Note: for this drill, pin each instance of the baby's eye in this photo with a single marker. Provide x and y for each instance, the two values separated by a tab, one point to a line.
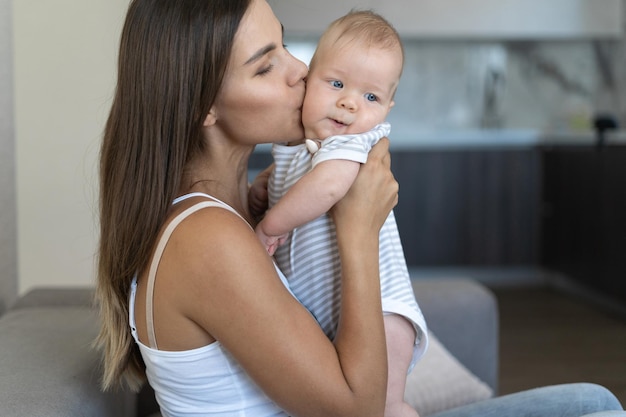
336	84
370	97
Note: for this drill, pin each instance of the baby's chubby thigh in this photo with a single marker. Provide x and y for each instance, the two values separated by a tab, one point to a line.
400	336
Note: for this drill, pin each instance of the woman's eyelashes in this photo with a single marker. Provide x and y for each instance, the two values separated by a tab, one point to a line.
265	70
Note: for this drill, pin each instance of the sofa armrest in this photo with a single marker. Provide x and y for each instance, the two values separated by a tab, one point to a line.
463	314
48	366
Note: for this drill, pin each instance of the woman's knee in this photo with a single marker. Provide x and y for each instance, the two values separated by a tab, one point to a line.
598	397
581	398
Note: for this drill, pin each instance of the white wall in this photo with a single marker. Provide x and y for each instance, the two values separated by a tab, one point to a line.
499	19
64	66
8	234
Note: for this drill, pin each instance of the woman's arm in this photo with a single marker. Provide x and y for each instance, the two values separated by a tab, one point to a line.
358	218
237	297
310	197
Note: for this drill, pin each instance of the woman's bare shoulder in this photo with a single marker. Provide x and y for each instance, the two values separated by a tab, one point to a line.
218	232
212	261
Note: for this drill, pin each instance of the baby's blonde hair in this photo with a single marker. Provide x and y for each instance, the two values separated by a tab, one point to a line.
363	26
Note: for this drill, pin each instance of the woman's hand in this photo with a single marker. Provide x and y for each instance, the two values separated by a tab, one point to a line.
257	194
373	195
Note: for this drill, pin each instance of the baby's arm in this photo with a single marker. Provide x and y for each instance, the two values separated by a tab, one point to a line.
310	197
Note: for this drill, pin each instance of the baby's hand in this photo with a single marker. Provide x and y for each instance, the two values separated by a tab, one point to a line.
271	243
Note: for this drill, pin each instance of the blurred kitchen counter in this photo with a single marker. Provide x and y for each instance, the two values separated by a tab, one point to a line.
469	139
499	138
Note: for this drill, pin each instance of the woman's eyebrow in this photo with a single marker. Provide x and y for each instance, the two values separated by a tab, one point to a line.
261	52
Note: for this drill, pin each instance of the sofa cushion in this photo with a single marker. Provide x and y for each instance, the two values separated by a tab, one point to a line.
439	382
53	369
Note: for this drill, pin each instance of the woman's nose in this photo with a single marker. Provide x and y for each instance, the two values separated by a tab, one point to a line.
299	71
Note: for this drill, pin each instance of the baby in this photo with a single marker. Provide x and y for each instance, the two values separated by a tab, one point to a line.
353	77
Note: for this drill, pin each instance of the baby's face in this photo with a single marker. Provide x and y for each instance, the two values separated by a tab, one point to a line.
350	90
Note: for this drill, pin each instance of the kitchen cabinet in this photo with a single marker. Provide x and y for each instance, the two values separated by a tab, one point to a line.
584	216
468	207
501	19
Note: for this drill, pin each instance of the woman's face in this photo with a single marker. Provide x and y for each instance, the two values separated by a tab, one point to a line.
263	89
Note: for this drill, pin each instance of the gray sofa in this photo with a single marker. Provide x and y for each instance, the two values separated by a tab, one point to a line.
48	368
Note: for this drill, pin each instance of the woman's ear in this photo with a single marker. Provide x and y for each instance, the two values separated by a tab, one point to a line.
210	118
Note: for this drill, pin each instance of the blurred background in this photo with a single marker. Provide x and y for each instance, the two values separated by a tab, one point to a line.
506	136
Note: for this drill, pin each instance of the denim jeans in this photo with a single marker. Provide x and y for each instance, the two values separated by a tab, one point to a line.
567	400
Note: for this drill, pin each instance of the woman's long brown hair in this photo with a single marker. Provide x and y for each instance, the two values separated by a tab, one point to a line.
172	59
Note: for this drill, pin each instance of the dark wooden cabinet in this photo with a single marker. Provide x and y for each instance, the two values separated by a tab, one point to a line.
468	207
584	216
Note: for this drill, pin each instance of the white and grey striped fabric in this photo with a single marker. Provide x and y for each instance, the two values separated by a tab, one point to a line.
309	258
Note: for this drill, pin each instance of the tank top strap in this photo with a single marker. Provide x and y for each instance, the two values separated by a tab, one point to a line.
156	259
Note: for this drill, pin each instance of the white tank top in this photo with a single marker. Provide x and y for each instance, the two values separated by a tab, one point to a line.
206	381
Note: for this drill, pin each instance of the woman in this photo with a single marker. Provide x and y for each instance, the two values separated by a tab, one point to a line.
200	83
213	326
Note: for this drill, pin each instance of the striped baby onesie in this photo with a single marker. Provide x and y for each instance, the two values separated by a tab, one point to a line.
309	257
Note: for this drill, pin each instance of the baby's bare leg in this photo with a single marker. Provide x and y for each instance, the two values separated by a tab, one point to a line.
400	336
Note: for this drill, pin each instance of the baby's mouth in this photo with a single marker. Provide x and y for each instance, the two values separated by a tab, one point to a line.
338	122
